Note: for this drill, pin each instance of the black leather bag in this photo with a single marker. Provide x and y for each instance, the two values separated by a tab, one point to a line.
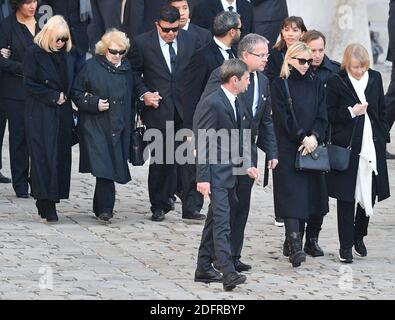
318	160
137	144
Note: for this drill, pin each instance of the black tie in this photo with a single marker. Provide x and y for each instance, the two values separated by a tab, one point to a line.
230	8
250	92
230	53
238	117
172	56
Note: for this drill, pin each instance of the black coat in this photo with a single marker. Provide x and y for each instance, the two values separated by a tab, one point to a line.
105	136
140	16
203	36
148	60
276	59
341	185
298	194
269	10
11	35
391	32
48	125
326	69
216	112
204	13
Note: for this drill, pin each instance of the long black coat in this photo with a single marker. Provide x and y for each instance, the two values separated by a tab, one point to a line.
298	194
48	125
341	185
105	136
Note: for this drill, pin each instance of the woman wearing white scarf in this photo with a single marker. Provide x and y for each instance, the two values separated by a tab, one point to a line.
355	98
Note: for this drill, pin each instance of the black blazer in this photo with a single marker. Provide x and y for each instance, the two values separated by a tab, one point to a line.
216	112
203	36
148	61
12	69
140	16
340	95
204	13
270	10
391	32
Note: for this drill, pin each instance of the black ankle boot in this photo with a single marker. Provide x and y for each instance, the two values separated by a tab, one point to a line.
286	248
296	254
312	248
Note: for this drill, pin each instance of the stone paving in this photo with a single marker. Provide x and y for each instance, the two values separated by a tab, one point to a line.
135	258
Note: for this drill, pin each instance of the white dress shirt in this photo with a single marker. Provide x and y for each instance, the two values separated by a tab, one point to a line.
256	94
165	50
186	25
232	98
226	5
222	48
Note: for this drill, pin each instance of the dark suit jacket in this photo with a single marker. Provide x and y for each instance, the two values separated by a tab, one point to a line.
203	36
261	125
215	112
148	61
12	69
204	13
391	32
269	10
140	16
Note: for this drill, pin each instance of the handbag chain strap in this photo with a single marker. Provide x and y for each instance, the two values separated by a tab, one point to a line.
356	122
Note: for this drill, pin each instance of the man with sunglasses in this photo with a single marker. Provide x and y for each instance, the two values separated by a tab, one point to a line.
205	12
323	68
162	57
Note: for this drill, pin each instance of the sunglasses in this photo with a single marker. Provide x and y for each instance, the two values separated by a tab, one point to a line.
63	39
241	28
115	52
167	30
303	61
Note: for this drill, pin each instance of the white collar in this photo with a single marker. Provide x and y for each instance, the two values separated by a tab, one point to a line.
226	5
221	44
186	27
163	42
229	95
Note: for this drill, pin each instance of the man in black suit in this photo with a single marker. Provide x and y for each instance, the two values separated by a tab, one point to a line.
390	95
106	14
203	36
5	10
140	16
204	13
268	16
218	159
162	57
256	106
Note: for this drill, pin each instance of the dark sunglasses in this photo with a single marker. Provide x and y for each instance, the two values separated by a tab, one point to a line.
63	39
167	30
303	61
115	52
241	28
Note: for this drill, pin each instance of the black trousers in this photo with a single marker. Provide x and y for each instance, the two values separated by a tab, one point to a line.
3	121
19	155
313	226
390	99
215	240
104	198
239	214
294	225
351	225
192	200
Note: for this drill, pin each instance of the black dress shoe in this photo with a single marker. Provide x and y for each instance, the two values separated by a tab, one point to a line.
208	276
389	156
172	201
105	216
40	209
359	248
345	255
194	216
231	280
240	266
4	179
158	215
312	248
52	218
22	195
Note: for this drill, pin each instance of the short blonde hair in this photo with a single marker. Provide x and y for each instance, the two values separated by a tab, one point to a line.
292	52
55	28
355	51
114	35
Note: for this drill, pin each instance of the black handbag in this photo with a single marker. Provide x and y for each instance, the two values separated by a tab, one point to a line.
339	157
318	160
138	155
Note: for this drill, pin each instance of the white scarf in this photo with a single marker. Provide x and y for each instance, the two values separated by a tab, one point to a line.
367	157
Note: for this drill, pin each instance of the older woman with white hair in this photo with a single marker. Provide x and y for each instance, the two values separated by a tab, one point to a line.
48	77
356	111
103	92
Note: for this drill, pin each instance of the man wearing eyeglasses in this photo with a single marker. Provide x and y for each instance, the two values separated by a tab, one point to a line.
256	106
162	58
205	12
